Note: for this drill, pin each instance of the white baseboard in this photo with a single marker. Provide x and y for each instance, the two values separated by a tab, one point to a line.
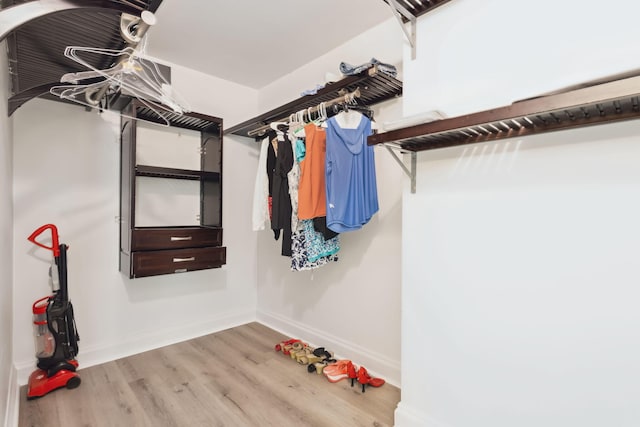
24	369
377	364
148	340
406	416
13	400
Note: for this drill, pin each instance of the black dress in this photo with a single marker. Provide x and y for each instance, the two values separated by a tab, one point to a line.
281	200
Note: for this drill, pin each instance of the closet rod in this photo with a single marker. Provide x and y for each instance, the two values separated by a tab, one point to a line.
343	99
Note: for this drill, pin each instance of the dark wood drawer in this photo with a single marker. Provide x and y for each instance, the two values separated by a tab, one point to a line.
151	263
148	239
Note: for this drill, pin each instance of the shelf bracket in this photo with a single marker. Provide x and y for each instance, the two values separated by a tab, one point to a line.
411	173
400	11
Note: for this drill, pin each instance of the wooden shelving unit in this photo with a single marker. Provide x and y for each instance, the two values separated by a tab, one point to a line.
375	87
420	7
597	104
602	103
171	248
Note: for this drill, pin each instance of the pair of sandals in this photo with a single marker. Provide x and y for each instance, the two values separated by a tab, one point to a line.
305	355
343	369
320	360
287	346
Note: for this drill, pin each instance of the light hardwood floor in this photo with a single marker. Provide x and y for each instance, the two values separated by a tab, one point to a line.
230	378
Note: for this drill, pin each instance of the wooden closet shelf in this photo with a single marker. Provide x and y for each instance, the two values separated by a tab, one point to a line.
160	172
420	7
601	103
193	121
375	87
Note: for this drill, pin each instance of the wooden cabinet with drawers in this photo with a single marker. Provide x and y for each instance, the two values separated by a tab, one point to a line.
170	197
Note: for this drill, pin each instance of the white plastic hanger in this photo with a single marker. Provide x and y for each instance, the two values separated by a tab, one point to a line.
85	95
279	133
132	74
299	132
323	115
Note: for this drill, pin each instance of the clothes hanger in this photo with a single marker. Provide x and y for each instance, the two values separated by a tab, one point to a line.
157	96
323	113
363	109
351	115
131	74
80	94
366	111
278	127
298	131
320	117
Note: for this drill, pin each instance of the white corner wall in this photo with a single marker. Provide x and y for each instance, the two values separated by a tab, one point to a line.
66	171
519	256
351	307
8	384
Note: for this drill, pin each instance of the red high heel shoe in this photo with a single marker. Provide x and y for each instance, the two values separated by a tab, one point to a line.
336	371
351	372
364	378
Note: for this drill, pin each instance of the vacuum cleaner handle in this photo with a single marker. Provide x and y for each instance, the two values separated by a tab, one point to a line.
55	247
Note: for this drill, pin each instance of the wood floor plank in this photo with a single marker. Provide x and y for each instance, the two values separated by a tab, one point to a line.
36	413
231	378
233	381
106	400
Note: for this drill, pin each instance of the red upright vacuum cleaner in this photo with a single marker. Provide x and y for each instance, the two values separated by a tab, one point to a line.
55	333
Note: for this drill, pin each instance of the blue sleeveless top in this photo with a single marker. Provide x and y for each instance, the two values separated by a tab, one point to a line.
352	195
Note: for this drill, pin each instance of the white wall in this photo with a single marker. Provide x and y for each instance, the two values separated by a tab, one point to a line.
351	307
7	380
519	256
214	96
383	42
66	171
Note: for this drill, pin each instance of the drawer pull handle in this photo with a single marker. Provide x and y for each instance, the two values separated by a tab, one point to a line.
181	270
192	258
179	239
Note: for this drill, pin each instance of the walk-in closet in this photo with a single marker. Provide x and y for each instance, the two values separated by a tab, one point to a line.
410	213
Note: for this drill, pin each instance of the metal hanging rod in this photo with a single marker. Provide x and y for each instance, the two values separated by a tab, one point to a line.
343	99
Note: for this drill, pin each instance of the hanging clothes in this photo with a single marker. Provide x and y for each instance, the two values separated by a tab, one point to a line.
320	225
352	195
271	168
293	178
310	250
260	218
312	199
281	218
317	246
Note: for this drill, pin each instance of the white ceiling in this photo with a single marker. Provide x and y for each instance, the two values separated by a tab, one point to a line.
254	42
